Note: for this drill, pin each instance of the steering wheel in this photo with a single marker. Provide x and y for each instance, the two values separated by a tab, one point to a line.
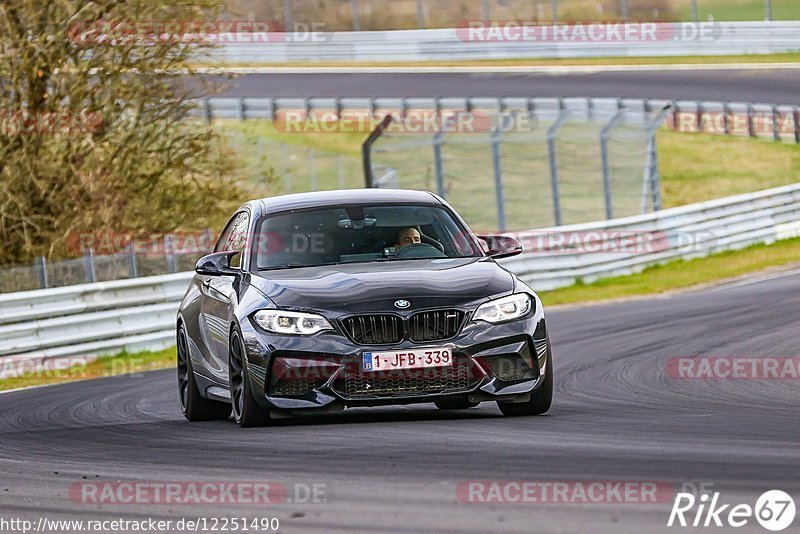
419	250
431	241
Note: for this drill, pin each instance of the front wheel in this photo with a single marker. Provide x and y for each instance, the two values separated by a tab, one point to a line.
246	410
193	406
541	399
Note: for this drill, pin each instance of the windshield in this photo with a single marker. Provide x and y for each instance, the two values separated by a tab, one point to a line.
358	234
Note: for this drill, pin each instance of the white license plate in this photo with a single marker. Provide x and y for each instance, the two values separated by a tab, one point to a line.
408	359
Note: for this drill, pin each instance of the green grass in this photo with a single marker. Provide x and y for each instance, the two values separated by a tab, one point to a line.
697	167
739	9
348	144
680	274
120	364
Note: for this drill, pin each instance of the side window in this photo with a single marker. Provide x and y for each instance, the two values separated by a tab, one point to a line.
234	237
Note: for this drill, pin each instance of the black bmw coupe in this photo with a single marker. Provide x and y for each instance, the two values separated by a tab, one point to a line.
316	302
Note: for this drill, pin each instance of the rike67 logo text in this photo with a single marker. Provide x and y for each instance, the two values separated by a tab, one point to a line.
774	510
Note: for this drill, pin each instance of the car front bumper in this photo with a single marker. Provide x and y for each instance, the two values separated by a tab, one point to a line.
492	362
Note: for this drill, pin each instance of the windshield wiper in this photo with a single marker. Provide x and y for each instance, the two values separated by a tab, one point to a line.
299	266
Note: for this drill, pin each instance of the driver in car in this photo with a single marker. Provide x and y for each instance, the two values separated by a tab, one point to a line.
407	236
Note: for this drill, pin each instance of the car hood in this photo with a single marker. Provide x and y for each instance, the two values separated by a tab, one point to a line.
375	287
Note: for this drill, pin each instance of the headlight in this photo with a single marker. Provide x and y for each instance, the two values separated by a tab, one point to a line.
504	309
288	322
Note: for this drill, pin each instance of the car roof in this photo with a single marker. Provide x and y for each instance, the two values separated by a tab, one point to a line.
345	196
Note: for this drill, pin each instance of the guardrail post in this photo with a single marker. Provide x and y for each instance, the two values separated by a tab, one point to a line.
355	13
676	117
776	134
551	152
797	125
41	270
420	15
485	10
699	114
169	253
695	12
89	266
287	15
207	115
339	107
554	10
241	109
133	267
767	9
726	122
604	134
623	9
751	131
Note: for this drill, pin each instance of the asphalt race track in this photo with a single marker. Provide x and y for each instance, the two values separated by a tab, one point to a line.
767	86
617	416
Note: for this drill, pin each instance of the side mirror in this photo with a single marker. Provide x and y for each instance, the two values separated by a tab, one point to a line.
501	246
217	264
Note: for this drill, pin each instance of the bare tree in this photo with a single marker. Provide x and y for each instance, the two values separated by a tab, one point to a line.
95	126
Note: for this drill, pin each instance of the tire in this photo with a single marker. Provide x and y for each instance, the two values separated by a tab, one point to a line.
246	410
455	404
541	399
194	406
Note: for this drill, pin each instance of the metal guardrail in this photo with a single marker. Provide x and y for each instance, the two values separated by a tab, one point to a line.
452	44
89	319
776	121
588	252
140	314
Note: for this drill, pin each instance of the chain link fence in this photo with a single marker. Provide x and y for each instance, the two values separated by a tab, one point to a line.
91	268
546	163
